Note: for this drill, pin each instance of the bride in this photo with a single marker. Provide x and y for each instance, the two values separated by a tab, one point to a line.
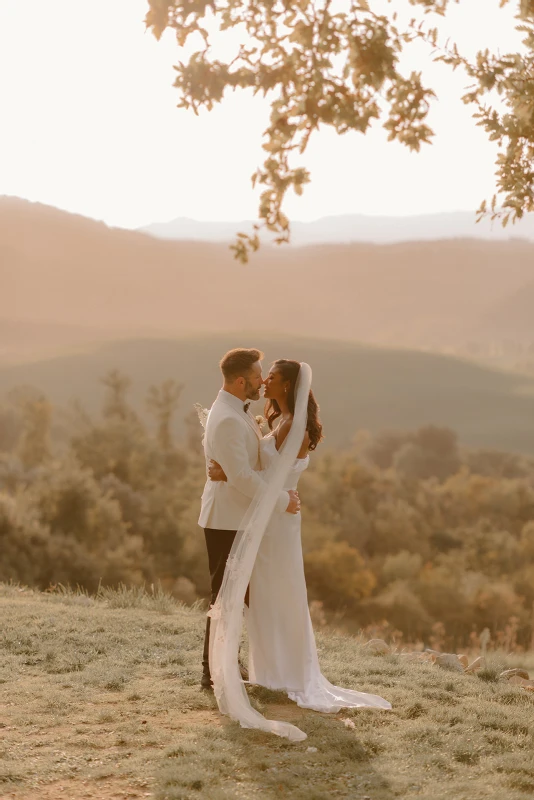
267	553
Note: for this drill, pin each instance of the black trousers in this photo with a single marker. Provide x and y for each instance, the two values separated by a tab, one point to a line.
218	543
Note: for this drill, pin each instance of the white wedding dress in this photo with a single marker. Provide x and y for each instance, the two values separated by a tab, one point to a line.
267	553
282	651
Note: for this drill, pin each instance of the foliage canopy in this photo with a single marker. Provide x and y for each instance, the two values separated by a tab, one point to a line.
337	64
406	534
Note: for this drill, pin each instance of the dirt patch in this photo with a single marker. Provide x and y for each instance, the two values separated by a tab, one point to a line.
201	717
108	789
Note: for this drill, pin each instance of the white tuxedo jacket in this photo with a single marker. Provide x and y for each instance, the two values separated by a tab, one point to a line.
232	438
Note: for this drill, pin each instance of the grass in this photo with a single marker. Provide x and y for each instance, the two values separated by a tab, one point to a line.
99	699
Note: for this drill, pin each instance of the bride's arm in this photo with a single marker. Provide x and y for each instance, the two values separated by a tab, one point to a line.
281	434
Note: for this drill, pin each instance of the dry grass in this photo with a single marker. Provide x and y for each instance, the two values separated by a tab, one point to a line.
99	699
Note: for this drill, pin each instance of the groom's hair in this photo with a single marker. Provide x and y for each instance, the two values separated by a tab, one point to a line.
238	363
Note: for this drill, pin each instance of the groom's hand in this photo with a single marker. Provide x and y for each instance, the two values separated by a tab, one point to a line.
216	472
294	502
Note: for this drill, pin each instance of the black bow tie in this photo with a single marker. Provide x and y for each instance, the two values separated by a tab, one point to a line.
245	407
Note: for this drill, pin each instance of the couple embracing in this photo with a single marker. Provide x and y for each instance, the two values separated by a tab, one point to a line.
251	518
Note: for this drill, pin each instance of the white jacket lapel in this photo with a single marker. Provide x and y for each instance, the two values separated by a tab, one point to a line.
247	417
253	424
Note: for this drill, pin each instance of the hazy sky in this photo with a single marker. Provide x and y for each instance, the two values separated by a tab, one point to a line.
89	124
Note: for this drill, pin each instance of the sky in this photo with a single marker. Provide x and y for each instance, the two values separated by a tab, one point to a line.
89	124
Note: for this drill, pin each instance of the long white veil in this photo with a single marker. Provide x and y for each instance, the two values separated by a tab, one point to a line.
227	612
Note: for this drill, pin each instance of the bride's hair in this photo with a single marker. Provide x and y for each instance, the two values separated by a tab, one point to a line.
290	372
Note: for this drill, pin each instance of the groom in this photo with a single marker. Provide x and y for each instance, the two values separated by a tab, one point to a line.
232	438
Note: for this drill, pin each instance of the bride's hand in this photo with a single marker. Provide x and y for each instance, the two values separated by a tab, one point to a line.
216	472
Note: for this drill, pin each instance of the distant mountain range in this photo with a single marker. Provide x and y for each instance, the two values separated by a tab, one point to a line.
66	281
355	228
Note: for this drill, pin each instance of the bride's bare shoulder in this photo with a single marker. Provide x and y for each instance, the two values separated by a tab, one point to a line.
282	432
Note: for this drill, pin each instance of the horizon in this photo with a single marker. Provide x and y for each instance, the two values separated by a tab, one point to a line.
447	212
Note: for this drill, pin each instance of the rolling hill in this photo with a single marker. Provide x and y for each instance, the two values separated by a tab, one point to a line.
59	269
513	317
357	386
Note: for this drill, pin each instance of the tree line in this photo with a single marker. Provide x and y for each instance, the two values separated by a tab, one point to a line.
404	532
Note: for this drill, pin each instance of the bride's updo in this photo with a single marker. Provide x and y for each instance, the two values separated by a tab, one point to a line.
289	371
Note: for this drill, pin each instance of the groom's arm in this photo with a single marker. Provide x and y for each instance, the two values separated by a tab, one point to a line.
232	455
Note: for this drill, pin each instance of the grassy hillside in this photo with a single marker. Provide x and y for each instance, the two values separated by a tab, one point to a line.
357	386
100	699
61	268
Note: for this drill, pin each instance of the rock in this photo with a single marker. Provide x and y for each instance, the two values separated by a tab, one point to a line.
421	657
514	673
349	723
414	656
311	750
516	680
475	665
427	657
449	661
377	646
